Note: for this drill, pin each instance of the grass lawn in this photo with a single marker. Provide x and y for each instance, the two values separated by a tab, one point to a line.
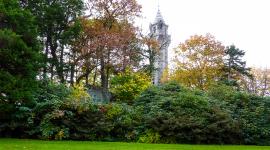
16	144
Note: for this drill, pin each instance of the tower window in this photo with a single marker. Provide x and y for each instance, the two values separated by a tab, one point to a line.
160	26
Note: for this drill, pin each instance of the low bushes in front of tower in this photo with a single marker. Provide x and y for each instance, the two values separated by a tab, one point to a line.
168	113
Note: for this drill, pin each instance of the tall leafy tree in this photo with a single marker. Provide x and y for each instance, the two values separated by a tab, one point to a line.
199	61
19	63
108	43
57	27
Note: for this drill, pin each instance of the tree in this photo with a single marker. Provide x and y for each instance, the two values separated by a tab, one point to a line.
259	84
57	27
234	66
128	85
112	10
199	61
20	60
150	51
109	42
104	52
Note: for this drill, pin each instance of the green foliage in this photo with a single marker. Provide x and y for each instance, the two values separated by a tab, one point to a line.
180	115
50	98
234	67
58	27
252	112
20	21
69	113
164	114
125	120
168	113
19	64
57	105
79	99
17	77
51	131
128	85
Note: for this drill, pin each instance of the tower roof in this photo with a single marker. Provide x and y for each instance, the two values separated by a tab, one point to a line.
159	17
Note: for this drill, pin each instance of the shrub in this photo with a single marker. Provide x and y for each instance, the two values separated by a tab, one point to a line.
69	113
125	119
128	85
252	112
181	115
169	113
57	105
79	99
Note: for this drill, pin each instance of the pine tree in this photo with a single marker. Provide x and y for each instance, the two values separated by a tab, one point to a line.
19	63
234	66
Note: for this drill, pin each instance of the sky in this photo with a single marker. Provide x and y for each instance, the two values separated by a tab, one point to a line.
244	23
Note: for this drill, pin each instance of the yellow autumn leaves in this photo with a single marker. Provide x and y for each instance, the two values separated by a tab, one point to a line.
198	61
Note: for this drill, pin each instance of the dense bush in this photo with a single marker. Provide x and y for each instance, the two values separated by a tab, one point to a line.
251	111
168	113
69	113
174	114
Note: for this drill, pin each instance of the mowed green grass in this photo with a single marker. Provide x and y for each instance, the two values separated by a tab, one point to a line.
16	144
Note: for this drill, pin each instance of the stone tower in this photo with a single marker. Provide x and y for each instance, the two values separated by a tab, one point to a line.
159	31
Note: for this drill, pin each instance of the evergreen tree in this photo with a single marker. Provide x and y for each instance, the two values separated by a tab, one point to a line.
234	66
19	64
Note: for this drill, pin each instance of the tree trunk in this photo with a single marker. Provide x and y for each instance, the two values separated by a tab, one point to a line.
229	69
72	71
56	63
103	74
95	77
61	66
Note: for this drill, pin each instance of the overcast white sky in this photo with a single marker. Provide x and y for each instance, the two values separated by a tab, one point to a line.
245	23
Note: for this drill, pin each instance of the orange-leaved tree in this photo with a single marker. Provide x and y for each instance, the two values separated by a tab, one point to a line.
108	43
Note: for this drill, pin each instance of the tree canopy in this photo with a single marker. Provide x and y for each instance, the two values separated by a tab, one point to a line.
20	60
199	61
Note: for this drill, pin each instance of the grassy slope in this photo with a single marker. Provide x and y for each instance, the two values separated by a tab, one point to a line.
14	144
